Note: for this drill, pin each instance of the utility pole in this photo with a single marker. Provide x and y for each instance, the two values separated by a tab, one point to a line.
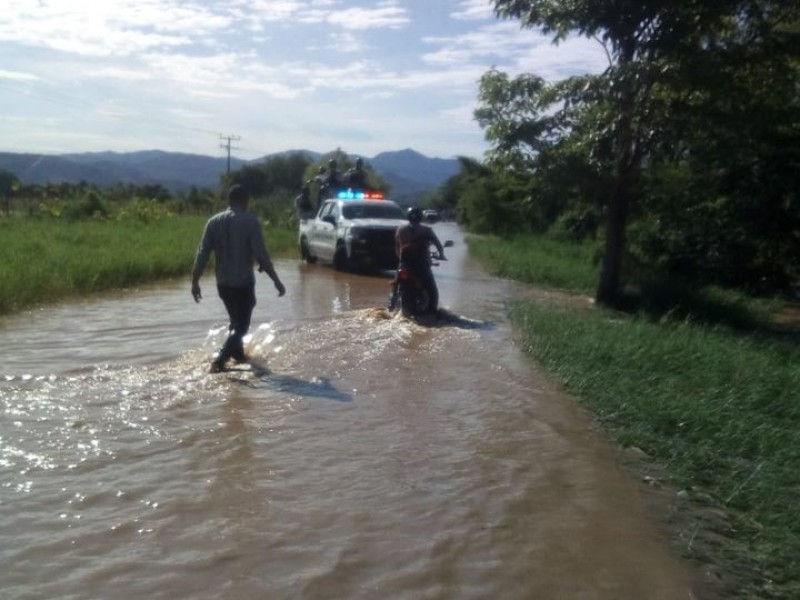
226	145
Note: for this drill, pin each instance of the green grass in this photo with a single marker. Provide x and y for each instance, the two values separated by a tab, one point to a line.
45	260
574	267
717	405
548	262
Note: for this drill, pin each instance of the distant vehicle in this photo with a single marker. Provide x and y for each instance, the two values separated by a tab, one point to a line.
431	216
354	230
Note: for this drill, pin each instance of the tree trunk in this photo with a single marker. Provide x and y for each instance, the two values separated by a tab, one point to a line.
625	176
614	253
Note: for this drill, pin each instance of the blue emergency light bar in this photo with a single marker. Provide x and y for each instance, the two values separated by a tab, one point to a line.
350	194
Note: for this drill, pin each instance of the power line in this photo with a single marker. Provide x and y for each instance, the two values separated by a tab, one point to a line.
227	146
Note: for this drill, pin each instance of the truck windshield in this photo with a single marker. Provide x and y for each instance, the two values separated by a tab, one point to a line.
377	210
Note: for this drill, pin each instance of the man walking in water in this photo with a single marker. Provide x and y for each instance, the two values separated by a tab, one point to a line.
235	237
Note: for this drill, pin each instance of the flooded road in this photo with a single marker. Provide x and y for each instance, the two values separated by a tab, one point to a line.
365	458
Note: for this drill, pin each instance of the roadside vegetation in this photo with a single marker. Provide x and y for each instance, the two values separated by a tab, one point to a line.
62	240
542	259
678	160
48	260
708	389
67	240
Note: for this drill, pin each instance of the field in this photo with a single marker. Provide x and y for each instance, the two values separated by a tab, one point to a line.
46	260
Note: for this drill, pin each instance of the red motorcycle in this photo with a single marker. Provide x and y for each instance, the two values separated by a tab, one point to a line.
409	290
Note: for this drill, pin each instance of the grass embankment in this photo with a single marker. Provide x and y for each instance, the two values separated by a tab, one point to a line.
546	262
718	406
45	260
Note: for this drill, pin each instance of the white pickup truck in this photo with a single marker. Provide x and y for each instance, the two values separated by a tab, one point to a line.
353	230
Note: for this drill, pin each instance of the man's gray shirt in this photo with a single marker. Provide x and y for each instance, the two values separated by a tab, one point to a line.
237	241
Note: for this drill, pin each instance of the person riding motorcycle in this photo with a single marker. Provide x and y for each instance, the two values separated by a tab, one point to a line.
412	245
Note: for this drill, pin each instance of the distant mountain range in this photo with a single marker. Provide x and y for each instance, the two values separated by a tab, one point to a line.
408	172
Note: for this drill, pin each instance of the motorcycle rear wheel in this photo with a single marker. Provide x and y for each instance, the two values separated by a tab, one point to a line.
414	302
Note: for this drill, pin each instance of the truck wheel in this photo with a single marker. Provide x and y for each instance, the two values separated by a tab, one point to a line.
305	253
340	260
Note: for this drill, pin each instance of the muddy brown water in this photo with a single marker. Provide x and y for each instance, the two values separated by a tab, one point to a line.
363	457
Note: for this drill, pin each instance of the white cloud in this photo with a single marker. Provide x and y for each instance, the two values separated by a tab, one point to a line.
517	51
221	76
95	29
17	76
503	40
388	16
118	74
129	27
574	56
348	43
463	113
474	10
268	10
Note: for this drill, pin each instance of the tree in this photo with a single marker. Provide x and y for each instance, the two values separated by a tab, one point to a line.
723	177
281	173
548	137
653	46
8	184
627	30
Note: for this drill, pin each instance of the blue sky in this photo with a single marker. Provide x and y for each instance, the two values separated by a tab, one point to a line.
366	77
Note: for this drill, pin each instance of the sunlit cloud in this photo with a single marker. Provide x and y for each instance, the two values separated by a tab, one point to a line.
185	113
112	109
318	68
113	27
503	39
129	27
461	113
389	16
17	76
118	73
348	43
518	51
267	10
221	75
574	56
474	10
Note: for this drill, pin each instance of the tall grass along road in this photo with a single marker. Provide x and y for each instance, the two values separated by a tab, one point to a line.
44	260
717	407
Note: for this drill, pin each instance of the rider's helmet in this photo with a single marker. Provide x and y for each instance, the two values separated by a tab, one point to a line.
414	214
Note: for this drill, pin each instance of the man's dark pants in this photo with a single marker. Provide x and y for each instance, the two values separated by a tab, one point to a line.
239	302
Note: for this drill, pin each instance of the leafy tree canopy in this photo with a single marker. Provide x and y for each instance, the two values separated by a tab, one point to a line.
695	120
